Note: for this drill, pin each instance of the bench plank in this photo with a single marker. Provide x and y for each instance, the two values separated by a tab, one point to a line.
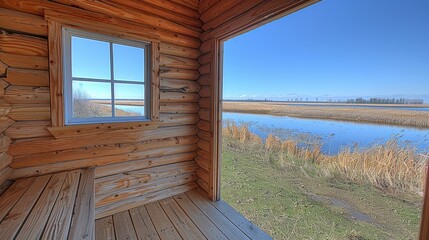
83	220
36	220
11	224
59	222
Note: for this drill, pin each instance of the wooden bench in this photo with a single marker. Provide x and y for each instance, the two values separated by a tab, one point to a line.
55	206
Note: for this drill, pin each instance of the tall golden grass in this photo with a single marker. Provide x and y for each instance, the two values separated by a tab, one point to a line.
390	166
372	115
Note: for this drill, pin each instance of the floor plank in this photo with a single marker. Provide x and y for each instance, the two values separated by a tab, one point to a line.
83	219
223	223
104	229
124	228
37	219
180	220
142	224
163	225
199	218
11	224
58	225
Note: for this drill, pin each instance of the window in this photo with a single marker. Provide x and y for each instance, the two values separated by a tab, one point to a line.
106	79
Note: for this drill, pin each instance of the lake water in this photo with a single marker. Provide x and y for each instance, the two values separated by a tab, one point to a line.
333	134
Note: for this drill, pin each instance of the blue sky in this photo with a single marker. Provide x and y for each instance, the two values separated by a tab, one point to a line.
334	49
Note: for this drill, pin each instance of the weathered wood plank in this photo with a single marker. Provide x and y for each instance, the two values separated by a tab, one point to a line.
226	226
23	22
178	119
12	195
179	108
38	217
23	44
28	129
23	61
83	219
104	229
180	51
27	95
178	97
30	112
162	223
174	73
199	218
179	85
27	77
143	224
123	225
58	225
168	61
144	199
180	220
11	224
5	122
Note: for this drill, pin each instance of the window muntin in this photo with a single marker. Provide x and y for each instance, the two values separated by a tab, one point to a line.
105	78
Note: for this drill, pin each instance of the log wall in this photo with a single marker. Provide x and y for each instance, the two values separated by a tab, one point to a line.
134	164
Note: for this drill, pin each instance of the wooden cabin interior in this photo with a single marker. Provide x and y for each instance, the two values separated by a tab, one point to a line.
151	179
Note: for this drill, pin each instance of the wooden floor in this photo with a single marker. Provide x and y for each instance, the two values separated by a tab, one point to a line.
185	216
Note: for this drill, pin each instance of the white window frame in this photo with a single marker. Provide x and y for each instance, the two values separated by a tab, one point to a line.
67	34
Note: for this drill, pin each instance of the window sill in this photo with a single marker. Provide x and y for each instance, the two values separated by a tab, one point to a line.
100	128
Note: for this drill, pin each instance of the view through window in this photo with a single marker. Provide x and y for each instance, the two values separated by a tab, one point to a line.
326	121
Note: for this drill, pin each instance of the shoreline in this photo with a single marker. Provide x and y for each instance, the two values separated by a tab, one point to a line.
395	117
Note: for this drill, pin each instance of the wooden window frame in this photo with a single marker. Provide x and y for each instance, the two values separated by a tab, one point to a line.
57	21
67	34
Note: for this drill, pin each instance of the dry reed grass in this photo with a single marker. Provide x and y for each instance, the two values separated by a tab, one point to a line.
382	116
391	166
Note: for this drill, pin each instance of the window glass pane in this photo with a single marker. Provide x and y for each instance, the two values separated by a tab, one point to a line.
91	99
128	63
90	58
129	99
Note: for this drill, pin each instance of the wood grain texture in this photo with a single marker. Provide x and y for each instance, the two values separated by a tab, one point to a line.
23	22
161	221
105	229
23	44
27	77
23	61
143	224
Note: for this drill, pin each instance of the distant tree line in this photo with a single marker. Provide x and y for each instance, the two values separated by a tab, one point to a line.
385	101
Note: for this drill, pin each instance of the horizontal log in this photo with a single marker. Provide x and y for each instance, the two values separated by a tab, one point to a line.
204	114
22	61
119	136
204	135
23	22
178	119
203	174
230	13
5	122
112	169
5	174
99	151
180	51
205	58
205	69
30	112
101	128
174	7
27	77
204	125
179	108
27	95
3	85
193	4
204	102
205	92
23	44
141	189
4	143
204	186
205	80
173	85
202	153
203	144
204	5
178	97
173	15
179	73
202	163
5	160
110	209
109	184
168	61
120	11
103	162
206	46
28	129
3	69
